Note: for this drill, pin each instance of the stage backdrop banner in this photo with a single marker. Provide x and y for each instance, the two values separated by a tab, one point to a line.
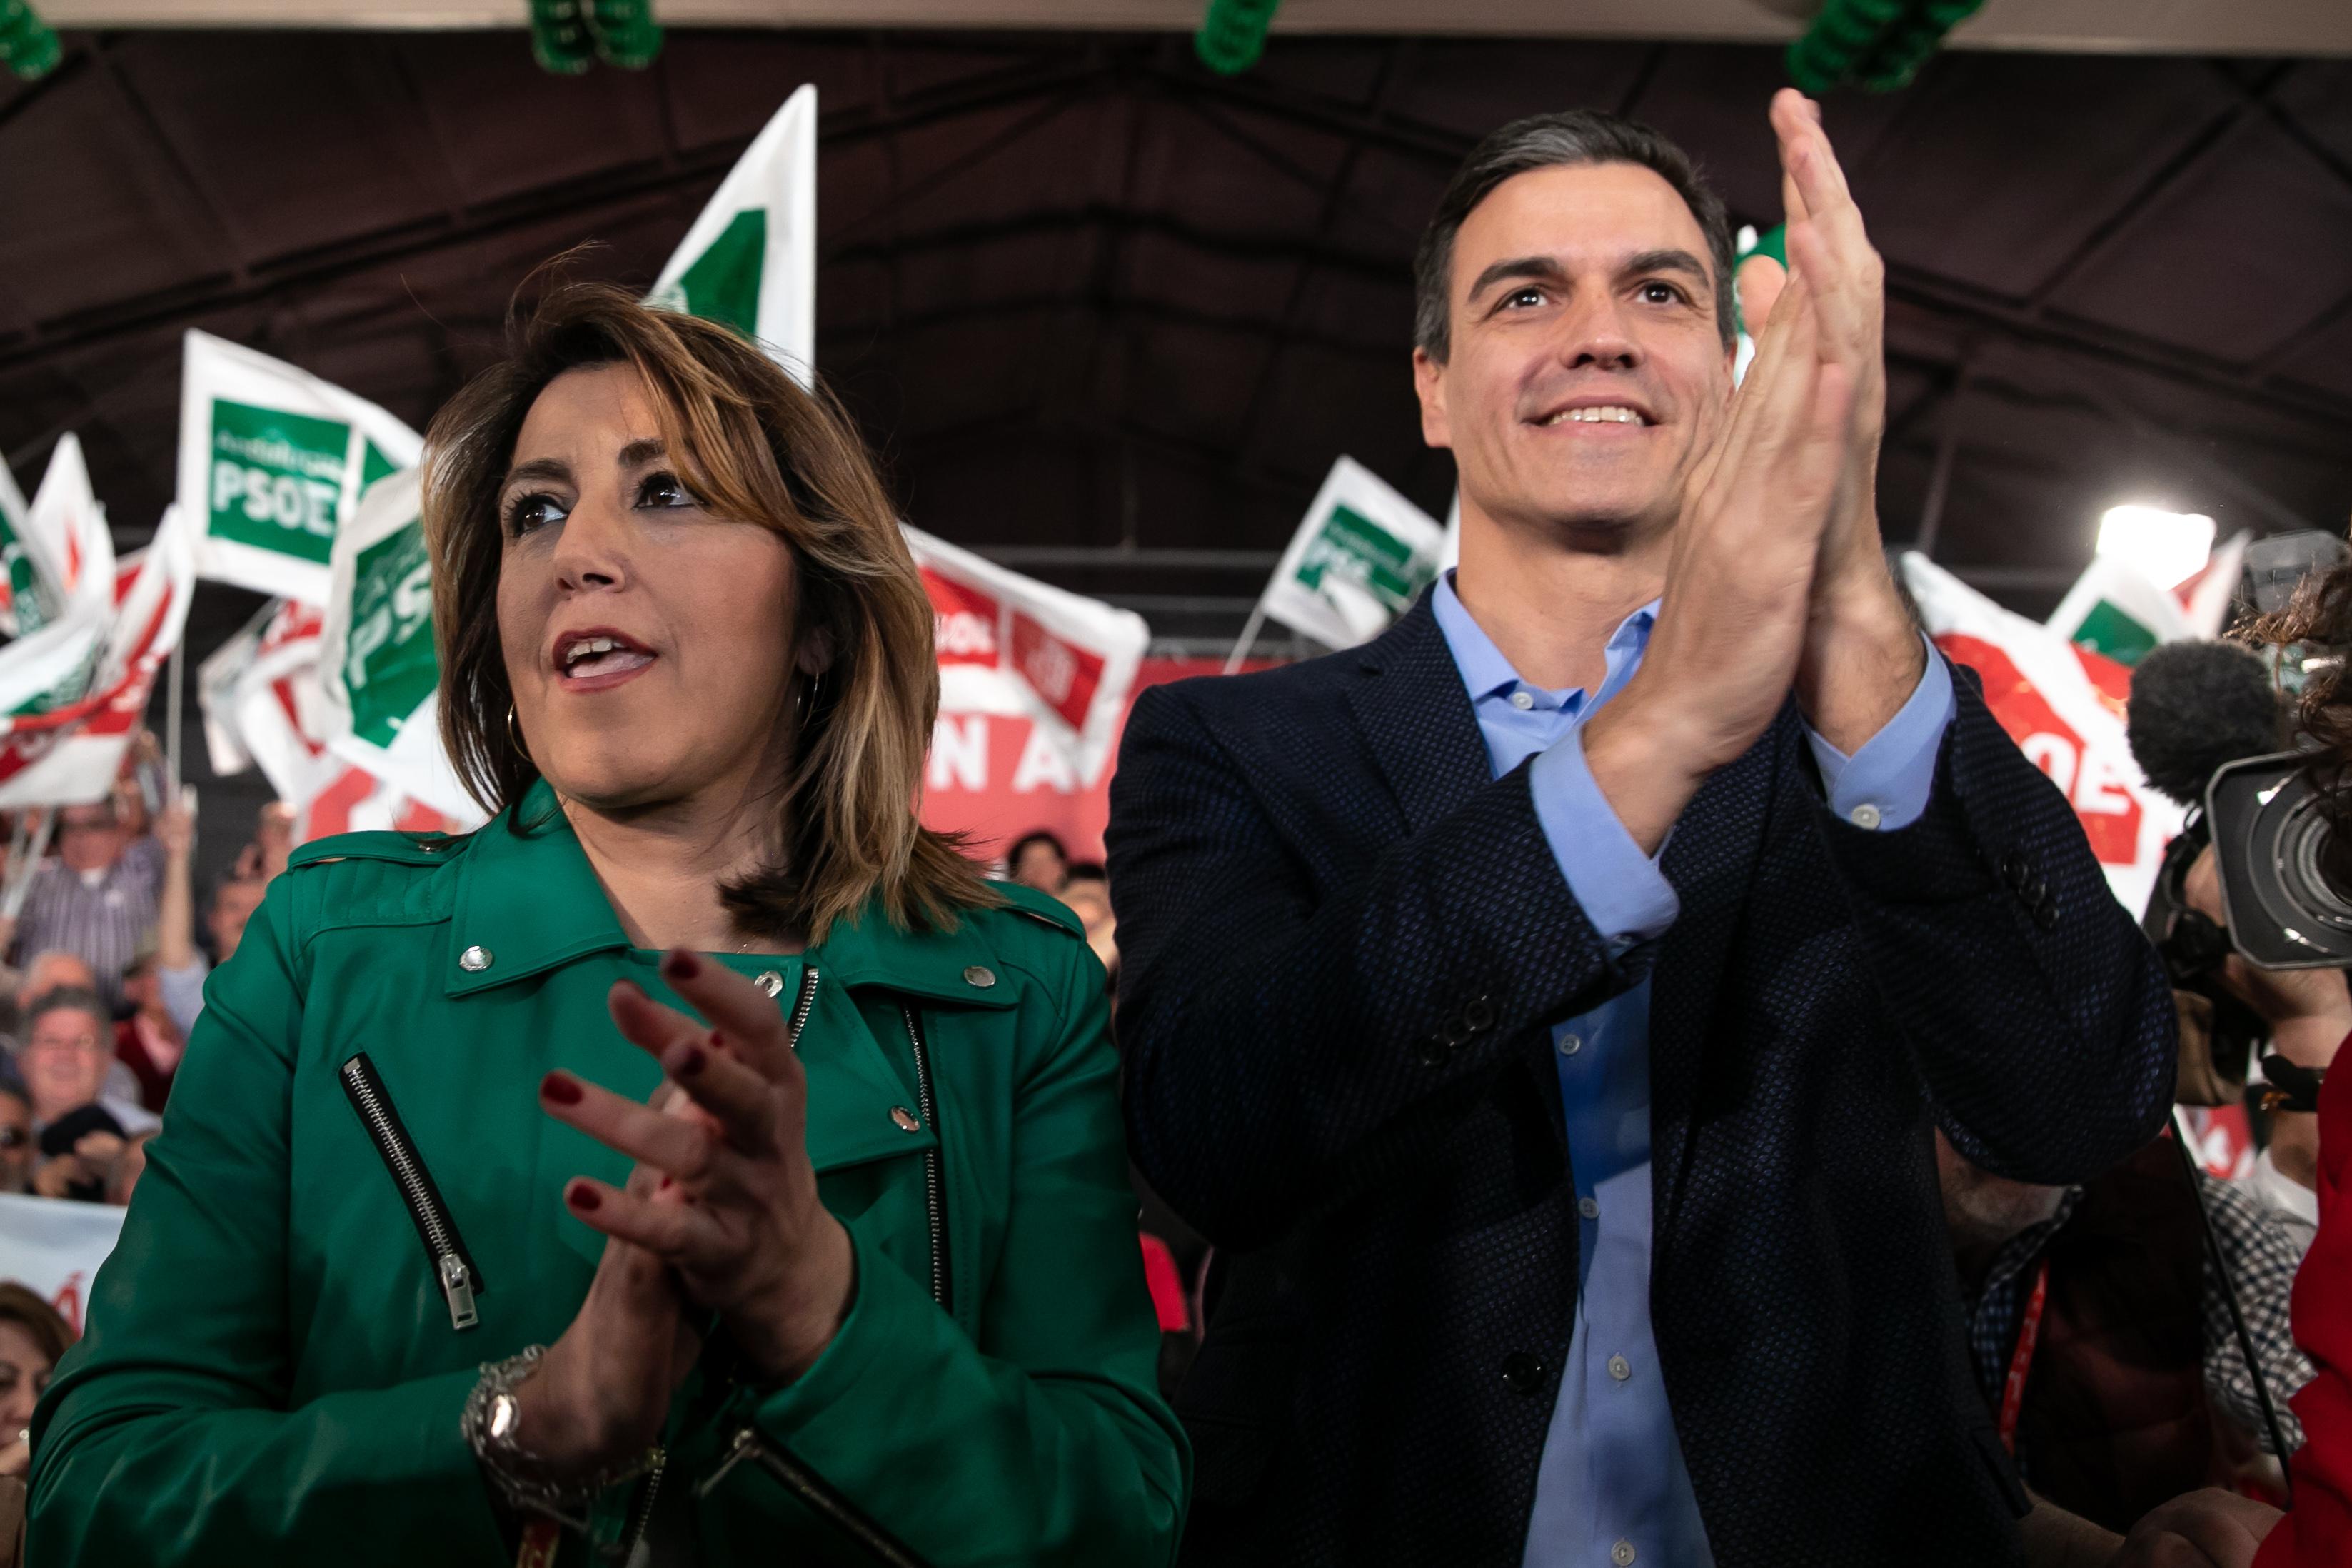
2063	706
750	260
1361	557
272	461
53	1247
989	777
60	568
378	674
1012	648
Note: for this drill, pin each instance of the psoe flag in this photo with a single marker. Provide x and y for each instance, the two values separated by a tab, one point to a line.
61	563
272	459
2063	706
377	667
72	754
1013	646
1361	557
750	260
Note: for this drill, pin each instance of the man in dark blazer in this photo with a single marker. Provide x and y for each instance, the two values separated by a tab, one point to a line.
1545	1006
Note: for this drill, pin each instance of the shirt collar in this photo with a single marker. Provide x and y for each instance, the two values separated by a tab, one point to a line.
1484	671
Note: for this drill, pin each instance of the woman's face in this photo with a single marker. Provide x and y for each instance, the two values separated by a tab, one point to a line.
647	641
24	1373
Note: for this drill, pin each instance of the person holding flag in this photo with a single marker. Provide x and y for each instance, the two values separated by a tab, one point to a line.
1544	1007
702	1155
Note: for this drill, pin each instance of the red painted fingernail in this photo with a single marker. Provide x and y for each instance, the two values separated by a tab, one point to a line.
718	1041
666	1184
682	965
559	1088
583	1197
689	1060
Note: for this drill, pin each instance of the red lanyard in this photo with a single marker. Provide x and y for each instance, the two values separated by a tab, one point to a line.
2012	1391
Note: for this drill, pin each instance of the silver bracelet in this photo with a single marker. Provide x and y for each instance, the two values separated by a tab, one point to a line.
492	1422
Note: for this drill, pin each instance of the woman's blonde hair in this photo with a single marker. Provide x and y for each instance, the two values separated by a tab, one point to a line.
752	443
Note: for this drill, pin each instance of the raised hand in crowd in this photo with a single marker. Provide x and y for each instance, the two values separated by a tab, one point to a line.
2208	1529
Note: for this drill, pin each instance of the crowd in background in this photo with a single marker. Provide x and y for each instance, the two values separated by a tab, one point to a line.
102	972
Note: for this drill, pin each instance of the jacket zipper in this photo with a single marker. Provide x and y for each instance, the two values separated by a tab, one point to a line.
818	1495
935	1193
815	1493
453	1266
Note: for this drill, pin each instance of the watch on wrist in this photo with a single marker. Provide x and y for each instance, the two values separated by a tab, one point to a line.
492	1422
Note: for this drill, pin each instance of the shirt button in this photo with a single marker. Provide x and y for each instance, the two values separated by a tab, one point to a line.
1589	1208
769	982
1865	815
1622	1554
474	960
1570	1043
1620	1368
1522	701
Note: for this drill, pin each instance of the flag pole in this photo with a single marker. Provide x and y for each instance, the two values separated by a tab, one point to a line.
171	668
1248	636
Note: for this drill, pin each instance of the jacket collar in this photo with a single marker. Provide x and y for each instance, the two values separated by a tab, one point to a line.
530	900
1415	714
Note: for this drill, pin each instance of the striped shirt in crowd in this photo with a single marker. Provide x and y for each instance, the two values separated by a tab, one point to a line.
103	922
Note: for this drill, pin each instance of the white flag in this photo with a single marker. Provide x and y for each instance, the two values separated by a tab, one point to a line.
750	260
2206	597
71	754
1011	646
2114	609
271	460
378	671
2064	705
1360	559
61	563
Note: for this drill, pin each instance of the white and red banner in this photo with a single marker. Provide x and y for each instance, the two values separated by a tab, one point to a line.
1009	646
72	753
2064	705
54	1248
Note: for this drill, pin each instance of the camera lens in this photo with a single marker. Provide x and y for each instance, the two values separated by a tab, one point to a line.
2303	846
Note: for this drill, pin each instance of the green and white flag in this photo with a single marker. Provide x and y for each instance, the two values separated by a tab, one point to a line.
1358	561
377	669
60	572
12	530
750	260
272	461
2114	609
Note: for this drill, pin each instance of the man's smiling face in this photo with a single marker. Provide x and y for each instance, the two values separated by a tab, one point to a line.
1586	374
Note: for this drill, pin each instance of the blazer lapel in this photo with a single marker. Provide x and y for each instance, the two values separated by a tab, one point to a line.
1415	716
1710	862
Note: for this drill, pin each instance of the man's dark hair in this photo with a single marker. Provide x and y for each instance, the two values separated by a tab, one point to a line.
1578	136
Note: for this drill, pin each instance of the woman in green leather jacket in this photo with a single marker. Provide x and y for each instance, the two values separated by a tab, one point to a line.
702	1065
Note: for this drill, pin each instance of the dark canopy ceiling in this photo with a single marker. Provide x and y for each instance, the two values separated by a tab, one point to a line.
1089	301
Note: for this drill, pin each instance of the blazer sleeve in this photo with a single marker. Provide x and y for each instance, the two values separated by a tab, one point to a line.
1280	1049
2037	1016
169	1437
1043	1441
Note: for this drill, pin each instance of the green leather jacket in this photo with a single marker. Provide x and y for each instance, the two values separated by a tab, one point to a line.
355	1201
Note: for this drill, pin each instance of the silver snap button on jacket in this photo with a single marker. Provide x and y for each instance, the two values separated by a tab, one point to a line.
980	978
474	960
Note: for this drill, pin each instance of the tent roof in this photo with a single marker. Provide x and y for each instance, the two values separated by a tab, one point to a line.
1111	317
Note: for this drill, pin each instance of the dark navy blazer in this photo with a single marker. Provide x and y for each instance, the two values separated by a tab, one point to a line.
1343	941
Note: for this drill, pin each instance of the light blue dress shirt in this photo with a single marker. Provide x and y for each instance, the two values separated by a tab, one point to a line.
1612	1491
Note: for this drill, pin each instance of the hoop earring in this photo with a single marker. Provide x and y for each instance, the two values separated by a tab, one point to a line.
514	734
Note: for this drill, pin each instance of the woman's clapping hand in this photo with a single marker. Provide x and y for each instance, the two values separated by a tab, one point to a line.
732	1206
